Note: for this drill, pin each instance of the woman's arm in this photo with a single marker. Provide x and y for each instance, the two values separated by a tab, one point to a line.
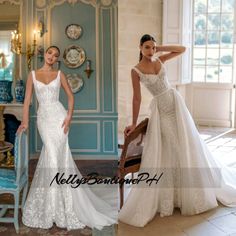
136	102
70	96
28	94
173	51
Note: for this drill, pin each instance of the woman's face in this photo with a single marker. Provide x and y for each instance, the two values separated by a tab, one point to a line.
148	49
51	56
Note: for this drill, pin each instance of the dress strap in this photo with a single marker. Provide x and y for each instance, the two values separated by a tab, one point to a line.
59	75
33	75
162	64
159	60
138	71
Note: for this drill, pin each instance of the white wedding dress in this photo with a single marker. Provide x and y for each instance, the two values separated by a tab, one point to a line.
193	180
68	207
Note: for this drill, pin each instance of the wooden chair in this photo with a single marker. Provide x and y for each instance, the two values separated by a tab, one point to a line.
14	181
130	162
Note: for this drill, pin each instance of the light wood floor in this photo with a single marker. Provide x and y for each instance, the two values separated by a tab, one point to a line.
218	222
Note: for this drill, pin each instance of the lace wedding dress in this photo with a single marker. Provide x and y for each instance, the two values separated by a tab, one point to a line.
193	180
68	207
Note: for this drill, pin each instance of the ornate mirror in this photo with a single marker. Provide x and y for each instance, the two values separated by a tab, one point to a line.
9	26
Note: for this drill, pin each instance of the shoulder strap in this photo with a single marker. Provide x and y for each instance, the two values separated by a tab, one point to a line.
59	75
138	71
33	75
160	61
162	64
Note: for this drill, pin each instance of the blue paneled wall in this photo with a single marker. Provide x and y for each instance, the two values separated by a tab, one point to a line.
93	132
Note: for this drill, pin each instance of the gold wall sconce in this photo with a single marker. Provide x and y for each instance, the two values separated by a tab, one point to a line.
88	69
30	52
16	42
16	47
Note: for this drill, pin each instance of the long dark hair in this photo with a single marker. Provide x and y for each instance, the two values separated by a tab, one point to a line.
53	46
145	38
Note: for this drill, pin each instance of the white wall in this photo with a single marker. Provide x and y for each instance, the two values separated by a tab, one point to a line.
135	18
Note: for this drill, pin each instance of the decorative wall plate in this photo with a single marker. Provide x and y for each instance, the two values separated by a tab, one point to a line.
73	31
74	56
75	81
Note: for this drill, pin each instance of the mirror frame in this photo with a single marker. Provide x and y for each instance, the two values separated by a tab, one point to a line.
19	64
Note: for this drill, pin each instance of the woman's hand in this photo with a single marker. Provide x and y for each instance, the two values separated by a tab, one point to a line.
129	129
23	127
66	124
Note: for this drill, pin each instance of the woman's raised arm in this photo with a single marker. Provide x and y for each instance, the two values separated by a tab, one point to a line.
172	51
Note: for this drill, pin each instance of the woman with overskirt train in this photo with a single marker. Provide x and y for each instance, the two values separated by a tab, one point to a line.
193	180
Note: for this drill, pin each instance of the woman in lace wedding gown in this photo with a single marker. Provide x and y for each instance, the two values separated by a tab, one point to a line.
68	207
192	179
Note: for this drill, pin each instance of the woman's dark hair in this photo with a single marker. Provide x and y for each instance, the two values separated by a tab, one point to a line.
53	46
145	38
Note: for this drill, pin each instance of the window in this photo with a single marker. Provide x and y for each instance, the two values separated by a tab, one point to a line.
213	48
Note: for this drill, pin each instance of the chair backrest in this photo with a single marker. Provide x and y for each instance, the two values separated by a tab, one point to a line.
140	130
21	155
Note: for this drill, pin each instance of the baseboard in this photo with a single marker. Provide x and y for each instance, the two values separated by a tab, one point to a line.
217	123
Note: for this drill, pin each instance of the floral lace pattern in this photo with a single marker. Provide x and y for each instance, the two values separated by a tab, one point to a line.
70	208
191	176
